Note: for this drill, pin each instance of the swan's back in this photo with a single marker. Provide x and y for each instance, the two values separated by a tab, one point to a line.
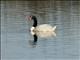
44	28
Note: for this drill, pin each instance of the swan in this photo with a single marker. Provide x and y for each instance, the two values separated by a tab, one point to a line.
43	30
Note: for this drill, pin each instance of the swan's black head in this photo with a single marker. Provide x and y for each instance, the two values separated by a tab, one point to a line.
33	17
34	20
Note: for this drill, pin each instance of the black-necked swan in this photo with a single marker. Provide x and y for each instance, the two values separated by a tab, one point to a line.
43	30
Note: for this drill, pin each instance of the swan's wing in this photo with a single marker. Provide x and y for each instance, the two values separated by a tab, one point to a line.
44	27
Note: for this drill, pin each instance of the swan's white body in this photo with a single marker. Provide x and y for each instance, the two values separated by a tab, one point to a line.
44	30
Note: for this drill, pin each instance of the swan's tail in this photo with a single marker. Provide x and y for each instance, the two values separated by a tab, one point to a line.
54	30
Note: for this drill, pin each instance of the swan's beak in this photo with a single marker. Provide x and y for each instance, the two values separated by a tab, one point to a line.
29	17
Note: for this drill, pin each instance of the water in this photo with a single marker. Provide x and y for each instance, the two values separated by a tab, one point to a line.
15	34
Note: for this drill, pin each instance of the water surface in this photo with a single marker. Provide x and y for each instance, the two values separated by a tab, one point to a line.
15	27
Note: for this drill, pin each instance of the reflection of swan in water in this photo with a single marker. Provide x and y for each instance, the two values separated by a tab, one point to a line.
44	30
33	43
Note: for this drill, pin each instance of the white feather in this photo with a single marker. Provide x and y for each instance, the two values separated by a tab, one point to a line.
44	30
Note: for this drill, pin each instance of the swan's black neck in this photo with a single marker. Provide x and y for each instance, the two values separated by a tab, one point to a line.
34	21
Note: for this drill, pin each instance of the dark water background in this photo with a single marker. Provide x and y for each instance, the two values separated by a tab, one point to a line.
15	30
